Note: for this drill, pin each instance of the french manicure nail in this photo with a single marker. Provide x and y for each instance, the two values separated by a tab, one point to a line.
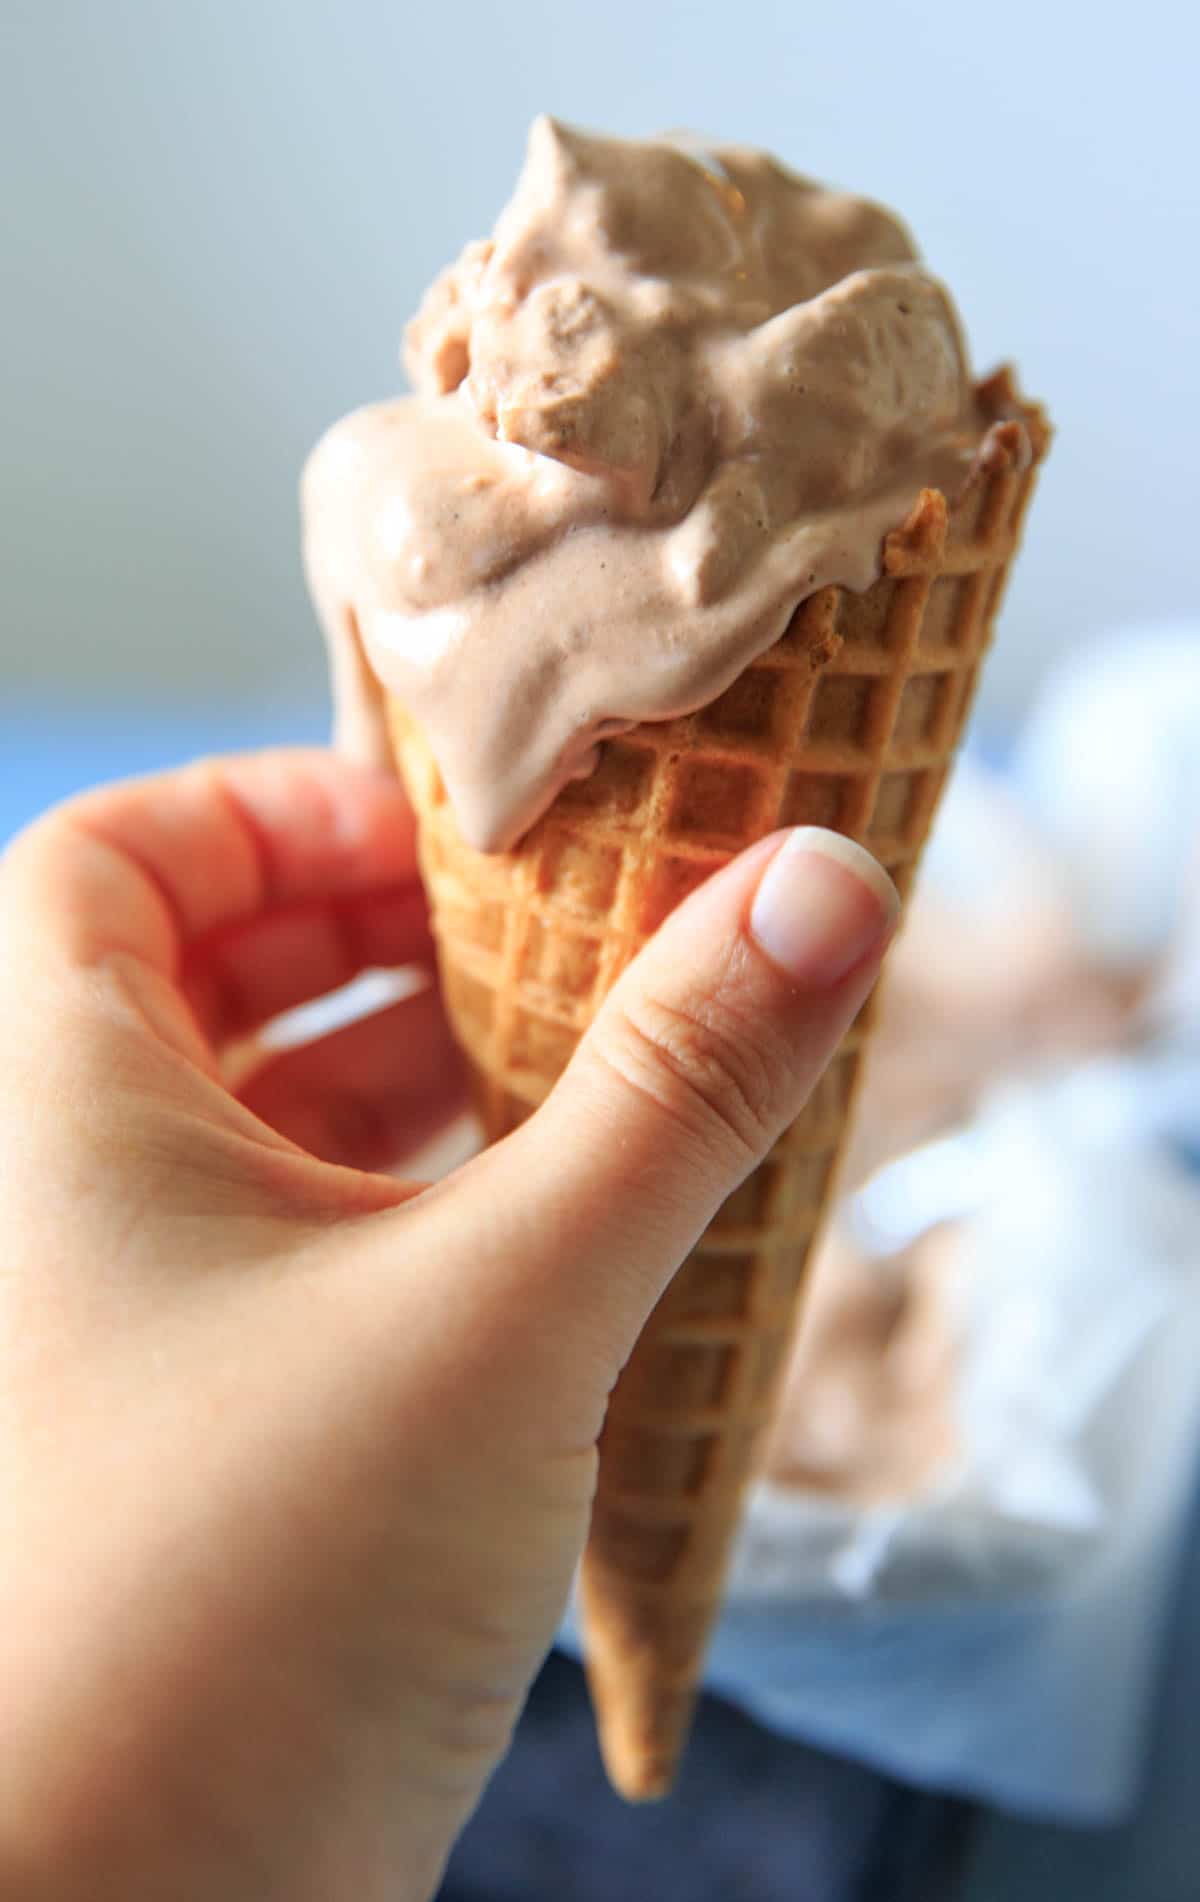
823	903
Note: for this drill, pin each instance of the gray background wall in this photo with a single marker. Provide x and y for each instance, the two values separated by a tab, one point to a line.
217	216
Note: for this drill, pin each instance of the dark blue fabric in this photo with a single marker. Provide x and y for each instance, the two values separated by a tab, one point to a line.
754	1818
1154	1856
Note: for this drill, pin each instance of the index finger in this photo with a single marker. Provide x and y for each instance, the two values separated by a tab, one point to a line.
146	867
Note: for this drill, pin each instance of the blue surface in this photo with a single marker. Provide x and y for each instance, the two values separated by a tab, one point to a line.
48	752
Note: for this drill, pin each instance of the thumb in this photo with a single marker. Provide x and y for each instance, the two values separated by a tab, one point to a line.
704	1052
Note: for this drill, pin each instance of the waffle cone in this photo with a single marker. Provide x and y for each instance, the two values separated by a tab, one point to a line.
850	721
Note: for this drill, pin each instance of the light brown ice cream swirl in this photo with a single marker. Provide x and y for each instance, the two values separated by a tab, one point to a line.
673	395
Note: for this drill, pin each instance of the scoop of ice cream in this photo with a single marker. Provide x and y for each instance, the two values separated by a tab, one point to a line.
618	321
674	394
868	1410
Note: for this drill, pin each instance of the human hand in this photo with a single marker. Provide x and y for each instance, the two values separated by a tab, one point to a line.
296	1460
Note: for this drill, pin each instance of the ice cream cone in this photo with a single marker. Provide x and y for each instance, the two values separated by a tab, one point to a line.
850	720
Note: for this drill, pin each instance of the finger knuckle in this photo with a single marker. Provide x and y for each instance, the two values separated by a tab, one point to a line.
718	1077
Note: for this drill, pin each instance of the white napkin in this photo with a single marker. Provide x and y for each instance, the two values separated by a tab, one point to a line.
999	1636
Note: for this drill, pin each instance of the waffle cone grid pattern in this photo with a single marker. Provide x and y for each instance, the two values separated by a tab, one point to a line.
851	720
